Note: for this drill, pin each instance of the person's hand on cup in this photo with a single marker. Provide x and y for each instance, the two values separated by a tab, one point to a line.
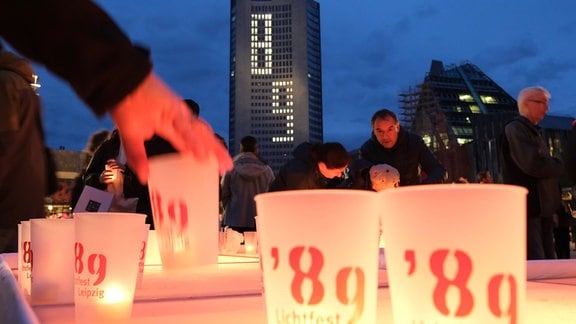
107	176
153	108
111	170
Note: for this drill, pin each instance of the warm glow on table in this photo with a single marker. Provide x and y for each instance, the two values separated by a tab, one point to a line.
232	294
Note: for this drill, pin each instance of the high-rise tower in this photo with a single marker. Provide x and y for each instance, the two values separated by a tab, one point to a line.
275	75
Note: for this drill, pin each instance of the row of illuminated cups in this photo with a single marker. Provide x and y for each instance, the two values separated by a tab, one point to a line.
94	260
455	253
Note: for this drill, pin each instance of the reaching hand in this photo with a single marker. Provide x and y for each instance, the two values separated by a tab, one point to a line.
153	108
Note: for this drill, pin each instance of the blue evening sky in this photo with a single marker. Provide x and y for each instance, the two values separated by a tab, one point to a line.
372	50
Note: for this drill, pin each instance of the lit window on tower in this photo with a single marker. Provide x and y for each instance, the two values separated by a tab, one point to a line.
466	97
488	99
261	44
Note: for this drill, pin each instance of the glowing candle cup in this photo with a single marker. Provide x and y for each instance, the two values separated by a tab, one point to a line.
319	254
106	256
53	267
250	242
456	253
184	196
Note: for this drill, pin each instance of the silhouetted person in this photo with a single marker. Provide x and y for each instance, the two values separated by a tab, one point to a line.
526	162
249	177
23	168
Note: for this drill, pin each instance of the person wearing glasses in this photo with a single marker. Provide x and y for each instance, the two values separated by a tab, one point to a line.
526	162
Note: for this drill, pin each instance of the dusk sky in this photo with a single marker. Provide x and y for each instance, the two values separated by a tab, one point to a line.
372	50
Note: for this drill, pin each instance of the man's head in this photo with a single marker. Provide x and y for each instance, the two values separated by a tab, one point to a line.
385	127
533	103
331	158
248	144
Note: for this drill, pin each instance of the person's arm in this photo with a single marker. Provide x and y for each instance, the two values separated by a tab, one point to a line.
79	42
432	167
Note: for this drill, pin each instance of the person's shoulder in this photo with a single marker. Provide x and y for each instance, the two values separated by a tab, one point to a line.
516	125
369	144
411	138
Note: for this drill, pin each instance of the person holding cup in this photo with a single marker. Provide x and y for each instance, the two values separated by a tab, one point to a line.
81	43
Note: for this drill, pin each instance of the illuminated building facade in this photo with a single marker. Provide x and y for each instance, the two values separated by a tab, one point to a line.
460	113
275	76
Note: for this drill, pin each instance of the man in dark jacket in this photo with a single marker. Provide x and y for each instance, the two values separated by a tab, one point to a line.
526	162
314	166
22	156
389	144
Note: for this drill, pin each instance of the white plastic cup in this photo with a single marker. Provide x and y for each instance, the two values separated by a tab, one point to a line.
152	252
25	257
142	255
106	257
53	268
184	196
319	253
456	254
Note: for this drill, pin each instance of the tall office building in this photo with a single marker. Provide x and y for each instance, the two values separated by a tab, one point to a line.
275	76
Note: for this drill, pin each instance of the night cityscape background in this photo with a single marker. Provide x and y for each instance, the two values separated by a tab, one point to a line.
371	53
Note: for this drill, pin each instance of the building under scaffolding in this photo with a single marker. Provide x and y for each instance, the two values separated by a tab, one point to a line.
460	112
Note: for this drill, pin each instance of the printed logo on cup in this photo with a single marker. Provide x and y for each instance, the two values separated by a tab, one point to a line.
27	255
172	218
452	269
27	259
94	265
307	286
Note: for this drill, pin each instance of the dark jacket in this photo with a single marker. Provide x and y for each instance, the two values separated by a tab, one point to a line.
22	155
302	173
132	188
79	42
249	177
407	155
526	162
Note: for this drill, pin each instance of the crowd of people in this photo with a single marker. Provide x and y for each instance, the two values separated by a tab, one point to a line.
112	75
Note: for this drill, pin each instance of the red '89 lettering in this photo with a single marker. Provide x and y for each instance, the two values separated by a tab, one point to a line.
177	211
27	255
312	276
459	282
96	263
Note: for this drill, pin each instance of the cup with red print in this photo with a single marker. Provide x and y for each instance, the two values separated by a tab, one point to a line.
319	255
184	197
456	254
106	257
